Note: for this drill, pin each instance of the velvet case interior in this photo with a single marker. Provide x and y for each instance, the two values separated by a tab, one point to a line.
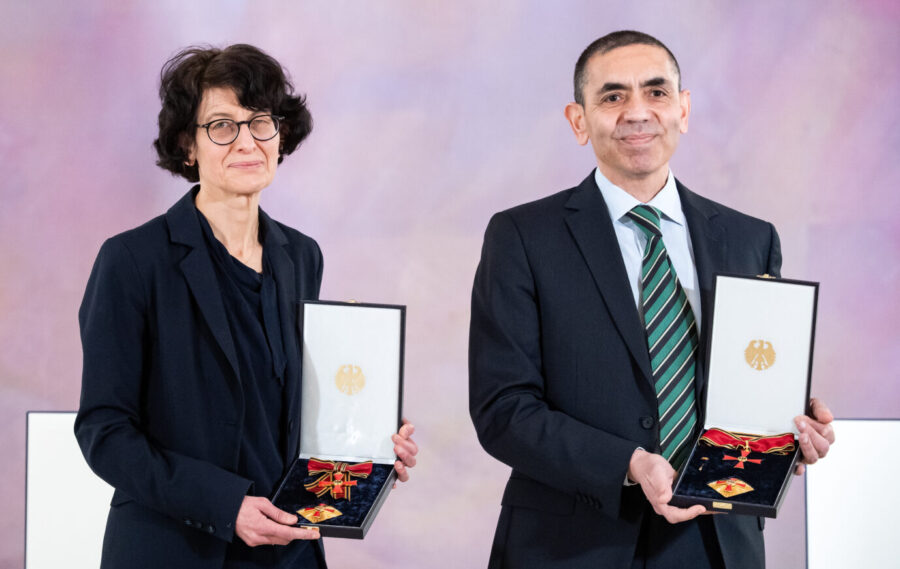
741	477
292	495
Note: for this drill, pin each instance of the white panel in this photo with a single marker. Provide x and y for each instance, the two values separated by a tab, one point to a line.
851	501
351	424
66	503
766	400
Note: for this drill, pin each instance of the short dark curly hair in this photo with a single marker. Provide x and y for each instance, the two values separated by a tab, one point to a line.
259	82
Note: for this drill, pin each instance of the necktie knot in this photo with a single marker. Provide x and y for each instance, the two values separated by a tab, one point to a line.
647	219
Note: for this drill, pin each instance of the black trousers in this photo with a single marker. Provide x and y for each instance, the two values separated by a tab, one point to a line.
692	544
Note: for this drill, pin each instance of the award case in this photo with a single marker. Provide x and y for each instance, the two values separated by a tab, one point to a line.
352	391
759	365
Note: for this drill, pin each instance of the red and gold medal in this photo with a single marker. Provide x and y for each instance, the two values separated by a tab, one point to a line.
336	477
730	487
319	513
777	444
742	459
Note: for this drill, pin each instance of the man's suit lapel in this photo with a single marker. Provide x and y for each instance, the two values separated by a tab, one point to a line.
592	230
197	267
710	252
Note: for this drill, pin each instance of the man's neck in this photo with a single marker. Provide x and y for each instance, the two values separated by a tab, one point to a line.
642	188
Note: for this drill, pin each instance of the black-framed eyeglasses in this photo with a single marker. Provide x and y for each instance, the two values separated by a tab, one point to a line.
226	131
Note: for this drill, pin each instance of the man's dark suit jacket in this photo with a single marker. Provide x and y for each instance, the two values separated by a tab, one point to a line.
162	407
560	385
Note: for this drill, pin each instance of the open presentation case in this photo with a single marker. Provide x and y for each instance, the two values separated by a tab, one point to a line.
351	405
759	367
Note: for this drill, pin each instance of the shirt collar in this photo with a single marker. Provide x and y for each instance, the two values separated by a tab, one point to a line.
619	202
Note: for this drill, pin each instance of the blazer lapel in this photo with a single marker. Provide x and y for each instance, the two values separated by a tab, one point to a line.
283	271
197	267
710	252
592	230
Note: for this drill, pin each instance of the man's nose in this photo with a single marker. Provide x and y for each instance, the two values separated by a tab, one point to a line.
636	110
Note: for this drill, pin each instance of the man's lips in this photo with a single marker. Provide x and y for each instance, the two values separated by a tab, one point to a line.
637	139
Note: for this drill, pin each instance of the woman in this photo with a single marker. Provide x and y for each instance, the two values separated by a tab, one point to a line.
191	379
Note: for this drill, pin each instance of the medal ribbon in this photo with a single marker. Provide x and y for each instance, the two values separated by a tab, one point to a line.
335	476
776	444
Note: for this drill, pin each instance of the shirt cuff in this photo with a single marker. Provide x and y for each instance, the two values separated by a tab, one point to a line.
628	481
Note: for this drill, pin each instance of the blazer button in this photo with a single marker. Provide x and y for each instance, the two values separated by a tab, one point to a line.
210	529
188	522
647	422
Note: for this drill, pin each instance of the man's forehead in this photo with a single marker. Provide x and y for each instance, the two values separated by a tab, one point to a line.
628	64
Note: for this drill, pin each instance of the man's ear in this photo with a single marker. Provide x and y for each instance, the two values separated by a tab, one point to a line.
575	115
685	102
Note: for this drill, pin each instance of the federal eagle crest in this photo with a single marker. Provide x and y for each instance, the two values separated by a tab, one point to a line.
760	354
350	379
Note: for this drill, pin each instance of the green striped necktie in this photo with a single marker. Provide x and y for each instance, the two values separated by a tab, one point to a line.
671	338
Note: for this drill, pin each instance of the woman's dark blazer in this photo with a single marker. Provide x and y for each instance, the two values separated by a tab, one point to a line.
162	408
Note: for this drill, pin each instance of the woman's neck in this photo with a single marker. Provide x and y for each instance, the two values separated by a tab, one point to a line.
234	220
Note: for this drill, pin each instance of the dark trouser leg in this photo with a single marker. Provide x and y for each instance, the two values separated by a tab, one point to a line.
692	544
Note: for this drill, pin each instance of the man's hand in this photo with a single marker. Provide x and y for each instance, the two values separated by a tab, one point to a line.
259	522
655	475
406	449
816	436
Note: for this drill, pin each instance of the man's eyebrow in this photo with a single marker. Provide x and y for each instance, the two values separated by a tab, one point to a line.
656	82
607	87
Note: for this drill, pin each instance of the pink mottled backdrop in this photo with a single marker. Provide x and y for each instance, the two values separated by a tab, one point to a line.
429	117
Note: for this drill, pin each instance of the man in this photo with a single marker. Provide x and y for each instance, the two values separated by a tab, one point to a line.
563	384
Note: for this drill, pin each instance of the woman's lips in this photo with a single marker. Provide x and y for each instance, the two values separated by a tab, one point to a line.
246	165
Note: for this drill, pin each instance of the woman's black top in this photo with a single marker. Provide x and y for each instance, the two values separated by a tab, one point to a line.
250	300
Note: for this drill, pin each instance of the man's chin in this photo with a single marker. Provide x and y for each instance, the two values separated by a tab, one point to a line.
644	170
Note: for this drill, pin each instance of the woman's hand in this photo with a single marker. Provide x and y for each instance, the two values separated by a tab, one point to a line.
405	449
259	522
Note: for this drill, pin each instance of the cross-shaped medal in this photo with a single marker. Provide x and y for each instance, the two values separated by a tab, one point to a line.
337	485
743	458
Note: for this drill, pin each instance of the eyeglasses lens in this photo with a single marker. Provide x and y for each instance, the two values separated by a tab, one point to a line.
263	128
226	131
223	132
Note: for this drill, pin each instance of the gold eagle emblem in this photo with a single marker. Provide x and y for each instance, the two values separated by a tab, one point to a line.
350	379
760	354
